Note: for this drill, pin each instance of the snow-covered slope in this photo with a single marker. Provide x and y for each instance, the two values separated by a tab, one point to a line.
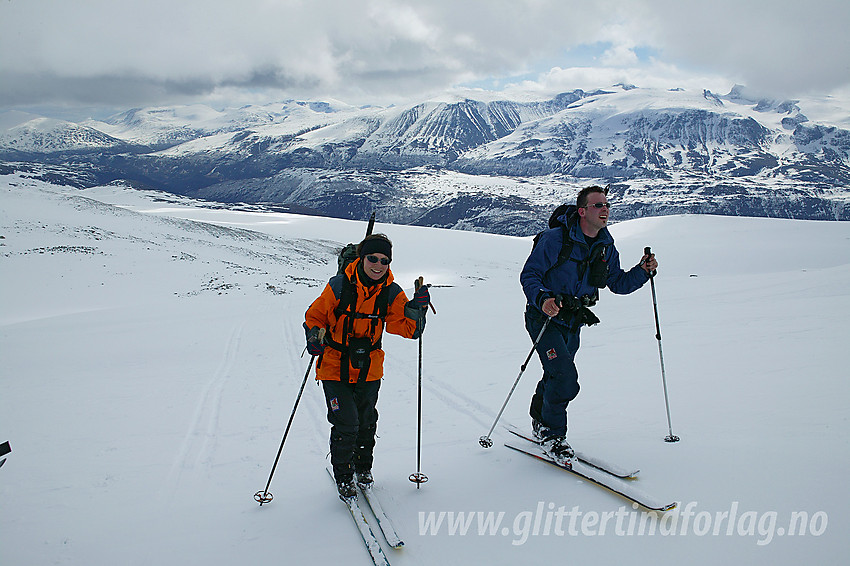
46	135
150	358
170	126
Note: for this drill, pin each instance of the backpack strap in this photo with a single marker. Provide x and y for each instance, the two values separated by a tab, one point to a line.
566	248
566	242
347	309
599	253
348	302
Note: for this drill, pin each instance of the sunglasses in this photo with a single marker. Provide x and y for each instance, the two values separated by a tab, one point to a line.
375	259
600	205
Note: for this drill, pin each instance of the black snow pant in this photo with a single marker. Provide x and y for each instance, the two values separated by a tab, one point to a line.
557	350
354	422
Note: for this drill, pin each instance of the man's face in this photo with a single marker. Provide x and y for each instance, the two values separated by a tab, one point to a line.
595	218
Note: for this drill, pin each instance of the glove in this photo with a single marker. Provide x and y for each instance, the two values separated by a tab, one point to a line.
568	304
586	316
315	341
421	298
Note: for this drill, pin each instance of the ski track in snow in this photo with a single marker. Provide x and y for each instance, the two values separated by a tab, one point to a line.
312	400
441	390
310	416
198	446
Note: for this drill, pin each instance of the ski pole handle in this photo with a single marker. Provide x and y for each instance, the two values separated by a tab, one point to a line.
320	335
647	252
418	282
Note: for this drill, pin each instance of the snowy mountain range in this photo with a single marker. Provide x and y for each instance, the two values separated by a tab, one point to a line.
487	165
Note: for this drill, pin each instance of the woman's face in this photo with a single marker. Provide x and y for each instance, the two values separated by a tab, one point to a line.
376	265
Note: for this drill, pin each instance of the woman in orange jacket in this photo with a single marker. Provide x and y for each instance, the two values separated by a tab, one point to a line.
354	309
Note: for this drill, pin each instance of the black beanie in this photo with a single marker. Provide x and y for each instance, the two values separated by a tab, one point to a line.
376	246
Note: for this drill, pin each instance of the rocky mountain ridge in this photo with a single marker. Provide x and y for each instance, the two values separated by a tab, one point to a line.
490	165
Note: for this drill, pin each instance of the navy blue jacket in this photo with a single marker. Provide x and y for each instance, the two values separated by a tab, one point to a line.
539	281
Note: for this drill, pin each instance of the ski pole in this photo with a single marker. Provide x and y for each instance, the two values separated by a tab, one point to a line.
485	441
5	448
670	437
419	478
264	496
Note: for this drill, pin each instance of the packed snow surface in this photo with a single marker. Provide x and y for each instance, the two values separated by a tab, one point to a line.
150	357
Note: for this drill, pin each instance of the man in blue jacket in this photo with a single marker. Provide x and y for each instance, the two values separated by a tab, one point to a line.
568	265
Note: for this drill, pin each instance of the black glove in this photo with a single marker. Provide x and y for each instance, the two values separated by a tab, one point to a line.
422	298
568	304
315	341
586	316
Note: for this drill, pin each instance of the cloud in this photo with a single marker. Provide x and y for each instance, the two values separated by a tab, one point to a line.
128	53
783	46
653	75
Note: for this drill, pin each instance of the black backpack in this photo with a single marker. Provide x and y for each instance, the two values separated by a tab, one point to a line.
554	222
348	253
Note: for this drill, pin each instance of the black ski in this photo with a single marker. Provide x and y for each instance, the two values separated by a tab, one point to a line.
598	463
369	538
619	486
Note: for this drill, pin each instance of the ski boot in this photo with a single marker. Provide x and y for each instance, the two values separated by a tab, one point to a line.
559	450
538	430
364	478
345	487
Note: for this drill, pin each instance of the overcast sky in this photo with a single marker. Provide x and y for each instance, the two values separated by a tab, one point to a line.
122	53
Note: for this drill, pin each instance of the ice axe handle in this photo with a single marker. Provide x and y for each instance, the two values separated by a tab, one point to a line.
371	225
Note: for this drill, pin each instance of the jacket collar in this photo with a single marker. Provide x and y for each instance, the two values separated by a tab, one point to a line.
603	237
351	270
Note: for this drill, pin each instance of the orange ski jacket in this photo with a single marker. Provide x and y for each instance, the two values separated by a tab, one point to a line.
326	312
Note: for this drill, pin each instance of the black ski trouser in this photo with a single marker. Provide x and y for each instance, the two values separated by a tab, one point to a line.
559	385
353	416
